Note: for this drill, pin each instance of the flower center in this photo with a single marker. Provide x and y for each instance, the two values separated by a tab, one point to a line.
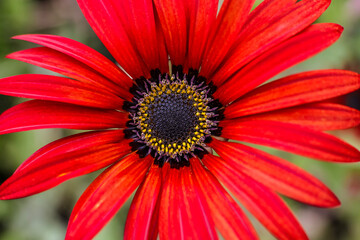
172	118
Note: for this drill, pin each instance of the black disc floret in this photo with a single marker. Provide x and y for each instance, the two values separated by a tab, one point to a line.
172	117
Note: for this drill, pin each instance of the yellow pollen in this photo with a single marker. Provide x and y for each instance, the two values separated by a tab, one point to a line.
163	93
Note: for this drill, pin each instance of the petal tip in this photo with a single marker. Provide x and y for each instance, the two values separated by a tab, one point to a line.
332	201
340	28
19	37
336	203
27	37
11	55
336	27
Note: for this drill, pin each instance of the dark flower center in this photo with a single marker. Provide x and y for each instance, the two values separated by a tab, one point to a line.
172	118
170	114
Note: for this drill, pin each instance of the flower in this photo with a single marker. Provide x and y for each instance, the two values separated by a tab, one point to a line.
157	130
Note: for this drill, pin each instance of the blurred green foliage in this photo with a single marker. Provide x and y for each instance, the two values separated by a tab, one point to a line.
44	216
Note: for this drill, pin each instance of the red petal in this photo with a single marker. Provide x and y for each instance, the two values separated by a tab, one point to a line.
77	142
105	21
140	222
292	138
295	90
61	63
155	219
228	216
268	11
169	216
276	173
161	44
105	196
265	205
82	53
138	20
64	159
195	209
229	23
181	206
268	25
202	19
318	116
173	20
290	52
46	87
38	114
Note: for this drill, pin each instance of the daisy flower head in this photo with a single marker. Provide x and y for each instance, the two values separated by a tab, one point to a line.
167	119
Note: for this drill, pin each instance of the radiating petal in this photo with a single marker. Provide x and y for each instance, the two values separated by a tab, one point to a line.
269	24
181	206
46	87
228	216
194	208
229	23
105	196
64	159
267	11
76	142
292	138
265	205
295	90
105	21
161	45
290	52
169	215
82	53
276	173
61	63
142	214
318	116
38	114
153	234
202	19
138	20
173	20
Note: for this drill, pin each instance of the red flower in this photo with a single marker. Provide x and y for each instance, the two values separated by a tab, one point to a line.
161	124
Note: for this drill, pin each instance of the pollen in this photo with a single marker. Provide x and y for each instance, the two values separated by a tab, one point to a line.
172	117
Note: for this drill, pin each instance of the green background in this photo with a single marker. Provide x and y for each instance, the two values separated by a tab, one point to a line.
44	216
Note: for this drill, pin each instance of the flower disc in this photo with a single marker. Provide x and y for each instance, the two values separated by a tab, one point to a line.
172	117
